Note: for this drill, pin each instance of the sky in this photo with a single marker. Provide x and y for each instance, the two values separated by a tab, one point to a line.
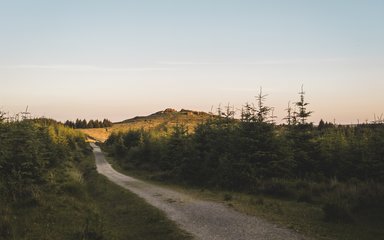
119	59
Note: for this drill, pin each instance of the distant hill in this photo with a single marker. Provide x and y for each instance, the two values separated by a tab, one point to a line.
170	115
161	121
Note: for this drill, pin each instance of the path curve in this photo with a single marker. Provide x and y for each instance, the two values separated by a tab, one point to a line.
204	219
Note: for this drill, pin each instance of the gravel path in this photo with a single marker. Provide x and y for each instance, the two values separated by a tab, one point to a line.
204	219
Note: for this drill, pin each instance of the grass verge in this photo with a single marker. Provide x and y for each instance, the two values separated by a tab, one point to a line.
303	217
127	216
77	203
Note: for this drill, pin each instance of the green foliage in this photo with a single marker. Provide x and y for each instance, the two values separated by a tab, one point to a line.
88	124
33	159
49	189
339	169
302	114
235	155
125	215
5	223
276	187
29	149
220	153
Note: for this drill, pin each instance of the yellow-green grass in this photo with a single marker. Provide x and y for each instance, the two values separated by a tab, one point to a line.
98	134
161	122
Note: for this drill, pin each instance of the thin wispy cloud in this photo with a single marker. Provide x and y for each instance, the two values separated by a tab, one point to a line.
164	65
86	68
262	62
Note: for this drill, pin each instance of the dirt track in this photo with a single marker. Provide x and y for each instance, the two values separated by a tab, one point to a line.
203	219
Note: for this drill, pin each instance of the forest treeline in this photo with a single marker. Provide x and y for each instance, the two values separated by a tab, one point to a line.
88	124
295	160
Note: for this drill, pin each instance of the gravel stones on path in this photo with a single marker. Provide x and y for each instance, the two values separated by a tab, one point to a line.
203	219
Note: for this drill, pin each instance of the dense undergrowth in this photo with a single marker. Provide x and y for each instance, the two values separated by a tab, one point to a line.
49	189
339	168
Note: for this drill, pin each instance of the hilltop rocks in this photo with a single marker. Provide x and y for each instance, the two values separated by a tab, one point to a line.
170	113
169	110
182	111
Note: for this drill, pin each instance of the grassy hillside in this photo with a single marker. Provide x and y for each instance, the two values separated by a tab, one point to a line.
162	121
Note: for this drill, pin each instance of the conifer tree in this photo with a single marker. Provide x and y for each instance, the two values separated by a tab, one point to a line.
273	117
247	113
321	125
229	113
302	114
78	123
84	123
262	111
289	116
91	124
107	123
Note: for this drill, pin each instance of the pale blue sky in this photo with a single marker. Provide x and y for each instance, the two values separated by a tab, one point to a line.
119	59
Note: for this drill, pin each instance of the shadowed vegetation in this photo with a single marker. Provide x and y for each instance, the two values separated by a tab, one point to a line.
49	189
337	170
